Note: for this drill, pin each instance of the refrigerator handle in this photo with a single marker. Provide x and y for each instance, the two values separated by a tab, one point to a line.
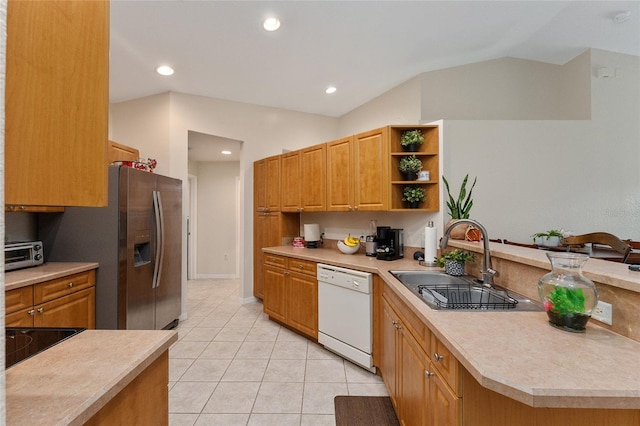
157	270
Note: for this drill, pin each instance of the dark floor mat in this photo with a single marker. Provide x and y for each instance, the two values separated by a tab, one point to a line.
364	410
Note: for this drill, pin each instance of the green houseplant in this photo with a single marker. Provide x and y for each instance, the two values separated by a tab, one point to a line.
410	166
411	139
550	238
413	195
459	208
453	261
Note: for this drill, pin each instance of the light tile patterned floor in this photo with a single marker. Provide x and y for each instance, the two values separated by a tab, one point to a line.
232	366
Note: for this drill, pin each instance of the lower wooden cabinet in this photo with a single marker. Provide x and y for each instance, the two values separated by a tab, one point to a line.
419	392
291	293
63	302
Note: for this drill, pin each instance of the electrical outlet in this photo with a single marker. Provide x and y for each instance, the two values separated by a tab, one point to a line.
603	312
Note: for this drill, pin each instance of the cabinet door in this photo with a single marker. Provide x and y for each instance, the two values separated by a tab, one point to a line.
413	393
54	289
340	175
74	310
260	185
302	312
388	354
291	182
314	178
119	152
273	183
445	407
275	293
371	164
259	226
56	103
18	299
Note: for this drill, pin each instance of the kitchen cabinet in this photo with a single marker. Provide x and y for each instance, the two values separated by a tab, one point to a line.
291	293
56	103
340	175
420	392
303	180
428	153
119	152
266	184
291	182
357	172
64	302
270	230
371	170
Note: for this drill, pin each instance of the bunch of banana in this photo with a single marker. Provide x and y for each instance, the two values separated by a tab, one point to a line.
351	241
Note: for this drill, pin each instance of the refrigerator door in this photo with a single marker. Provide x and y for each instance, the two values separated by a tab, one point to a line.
137	250
169	283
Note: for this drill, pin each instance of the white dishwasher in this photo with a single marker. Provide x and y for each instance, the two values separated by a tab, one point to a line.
345	313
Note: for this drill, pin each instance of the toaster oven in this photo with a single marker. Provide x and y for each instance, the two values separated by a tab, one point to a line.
23	255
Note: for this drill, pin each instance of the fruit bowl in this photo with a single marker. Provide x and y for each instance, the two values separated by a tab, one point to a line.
346	249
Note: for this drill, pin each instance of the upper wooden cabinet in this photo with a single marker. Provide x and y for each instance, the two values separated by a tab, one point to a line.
119	152
272	196
290	182
371	170
340	175
56	103
313	162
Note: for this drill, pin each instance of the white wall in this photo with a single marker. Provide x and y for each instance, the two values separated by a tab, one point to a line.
217	219
264	131
580	175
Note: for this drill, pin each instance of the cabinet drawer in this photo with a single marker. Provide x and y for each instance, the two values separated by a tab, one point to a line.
303	266
23	318
20	298
54	289
274	260
446	364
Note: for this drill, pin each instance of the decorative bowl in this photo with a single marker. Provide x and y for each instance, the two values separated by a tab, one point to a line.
346	249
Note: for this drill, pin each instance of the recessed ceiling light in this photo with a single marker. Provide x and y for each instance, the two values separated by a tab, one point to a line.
330	90
622	16
271	24
164	70
225	152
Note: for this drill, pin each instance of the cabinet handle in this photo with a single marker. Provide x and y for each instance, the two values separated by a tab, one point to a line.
70	285
40	310
286	272
31	312
428	373
355	208
301	266
437	357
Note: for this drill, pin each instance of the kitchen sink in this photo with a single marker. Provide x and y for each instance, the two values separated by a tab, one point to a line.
445	292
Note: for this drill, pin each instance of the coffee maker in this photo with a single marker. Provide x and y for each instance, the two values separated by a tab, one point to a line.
390	243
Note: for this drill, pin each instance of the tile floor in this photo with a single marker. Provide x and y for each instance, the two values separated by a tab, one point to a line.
232	366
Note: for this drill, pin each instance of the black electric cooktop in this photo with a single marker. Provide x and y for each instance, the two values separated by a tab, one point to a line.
24	342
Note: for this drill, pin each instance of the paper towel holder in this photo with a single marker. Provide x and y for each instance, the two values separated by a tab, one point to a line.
312	235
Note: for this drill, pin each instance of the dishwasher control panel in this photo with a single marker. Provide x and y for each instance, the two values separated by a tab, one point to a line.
346	278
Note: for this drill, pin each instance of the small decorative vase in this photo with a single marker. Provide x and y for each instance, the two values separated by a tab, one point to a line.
454	267
473	234
568	296
410	175
413	147
414	204
457	233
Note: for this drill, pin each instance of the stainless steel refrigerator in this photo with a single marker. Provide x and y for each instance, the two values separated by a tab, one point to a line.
136	239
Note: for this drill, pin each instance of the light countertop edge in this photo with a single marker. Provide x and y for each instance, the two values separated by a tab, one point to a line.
517	354
45	272
70	382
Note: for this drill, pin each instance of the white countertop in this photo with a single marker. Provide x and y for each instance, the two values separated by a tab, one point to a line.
518	354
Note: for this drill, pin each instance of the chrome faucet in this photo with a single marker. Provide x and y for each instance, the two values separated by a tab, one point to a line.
487	271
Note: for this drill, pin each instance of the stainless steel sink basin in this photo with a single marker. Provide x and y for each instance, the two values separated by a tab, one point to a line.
446	292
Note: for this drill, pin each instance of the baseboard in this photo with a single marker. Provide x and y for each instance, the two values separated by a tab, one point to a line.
216	277
252	299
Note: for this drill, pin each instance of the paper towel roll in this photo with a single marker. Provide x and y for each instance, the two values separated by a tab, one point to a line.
430	244
311	232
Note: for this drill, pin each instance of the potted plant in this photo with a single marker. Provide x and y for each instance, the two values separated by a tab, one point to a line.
550	238
459	208
453	261
413	195
410	166
411	139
